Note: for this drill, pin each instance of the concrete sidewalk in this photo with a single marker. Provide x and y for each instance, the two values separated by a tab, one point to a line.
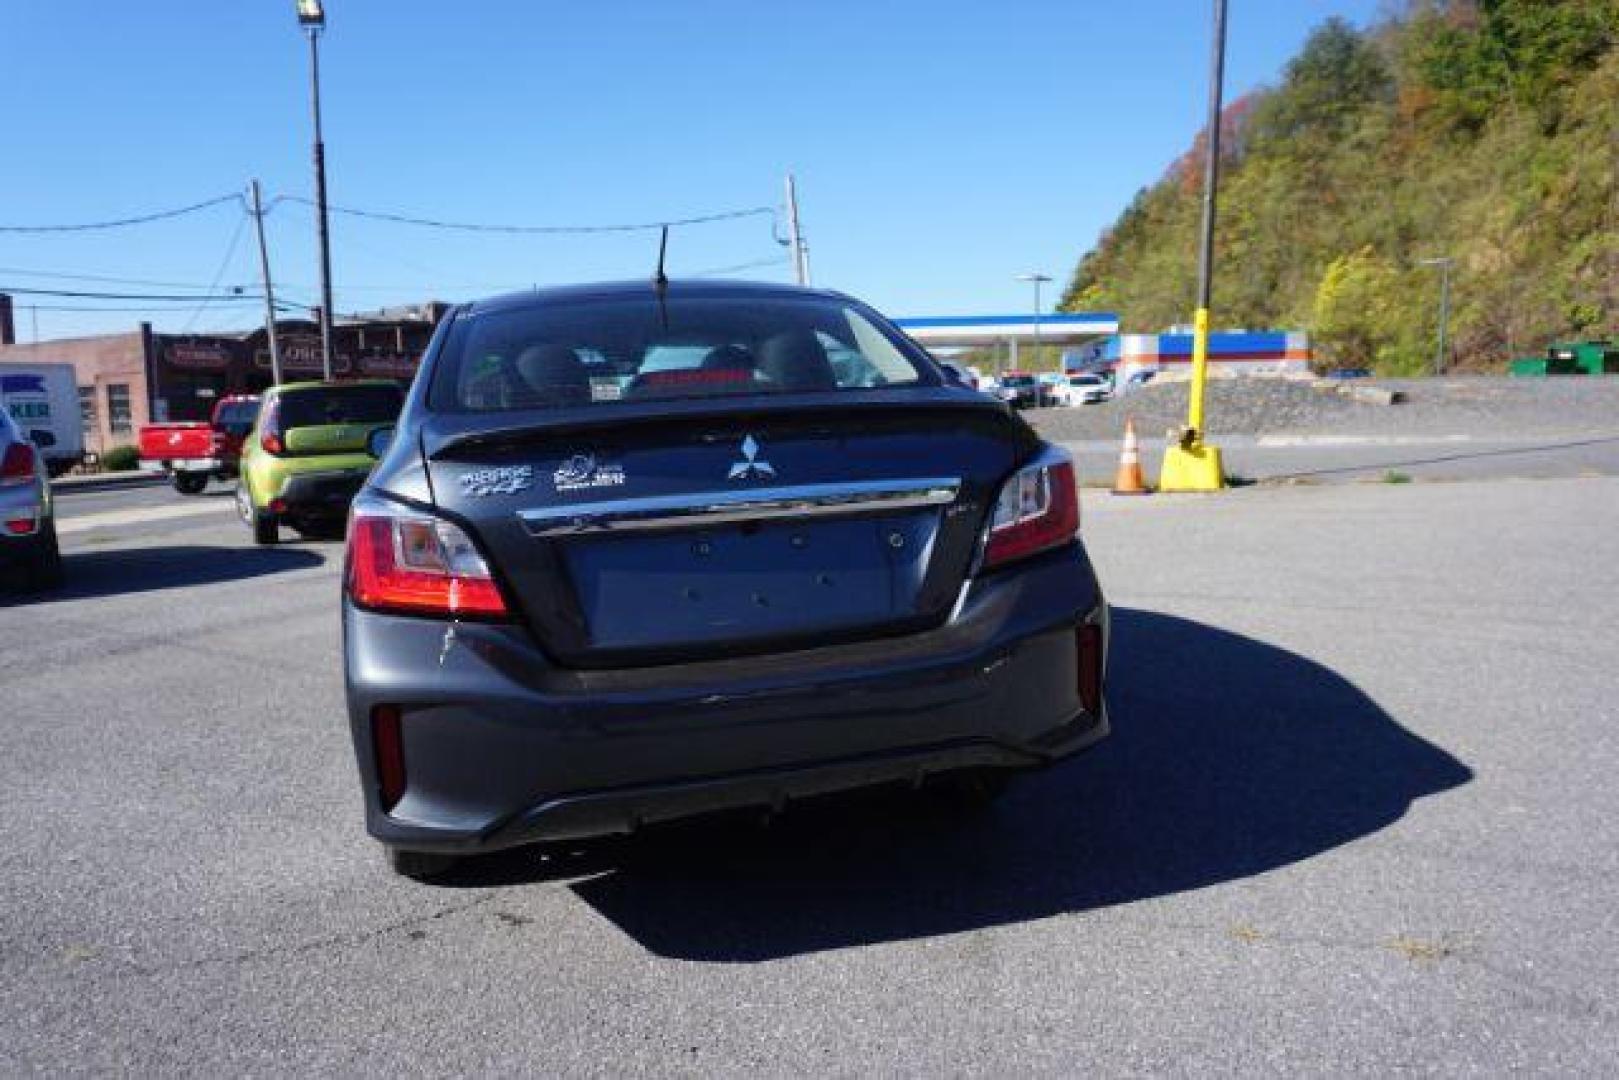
67	485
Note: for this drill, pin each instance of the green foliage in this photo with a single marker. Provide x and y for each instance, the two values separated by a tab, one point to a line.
1338	73
120	459
1485	130
1360	318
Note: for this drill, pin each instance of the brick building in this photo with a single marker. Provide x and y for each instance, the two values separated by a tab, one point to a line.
139	377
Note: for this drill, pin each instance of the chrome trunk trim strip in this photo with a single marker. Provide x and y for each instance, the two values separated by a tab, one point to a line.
703	509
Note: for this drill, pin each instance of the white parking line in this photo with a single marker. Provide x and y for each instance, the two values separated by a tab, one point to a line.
115	518
1275	441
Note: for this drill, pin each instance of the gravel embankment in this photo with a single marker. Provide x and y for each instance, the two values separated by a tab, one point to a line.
1476	407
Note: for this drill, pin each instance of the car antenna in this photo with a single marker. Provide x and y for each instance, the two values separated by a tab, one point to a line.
660	280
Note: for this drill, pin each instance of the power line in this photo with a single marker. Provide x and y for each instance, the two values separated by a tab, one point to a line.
119	310
167	298
107	279
160	215
224	264
432	223
400	219
776	260
63	276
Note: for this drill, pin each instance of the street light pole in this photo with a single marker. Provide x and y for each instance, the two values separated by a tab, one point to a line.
312	17
1192	464
1444	263
1036	279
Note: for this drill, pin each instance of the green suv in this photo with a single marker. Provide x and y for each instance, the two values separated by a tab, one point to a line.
306	456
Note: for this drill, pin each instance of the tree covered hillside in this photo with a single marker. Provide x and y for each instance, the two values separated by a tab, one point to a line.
1483	130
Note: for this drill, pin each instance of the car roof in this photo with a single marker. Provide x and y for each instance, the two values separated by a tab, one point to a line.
643	290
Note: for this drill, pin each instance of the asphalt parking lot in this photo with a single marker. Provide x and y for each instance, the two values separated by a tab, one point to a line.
1358	816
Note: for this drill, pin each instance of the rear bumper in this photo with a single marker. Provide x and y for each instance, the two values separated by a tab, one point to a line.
605	813
502	748
23	551
189	465
321	494
29	506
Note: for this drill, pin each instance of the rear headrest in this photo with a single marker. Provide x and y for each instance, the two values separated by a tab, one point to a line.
553	375
795	360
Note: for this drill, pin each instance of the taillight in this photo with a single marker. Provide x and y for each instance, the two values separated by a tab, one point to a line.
404	561
17	467
270	429
1038	509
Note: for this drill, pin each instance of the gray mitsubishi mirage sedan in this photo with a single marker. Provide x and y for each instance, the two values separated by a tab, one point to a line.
641	551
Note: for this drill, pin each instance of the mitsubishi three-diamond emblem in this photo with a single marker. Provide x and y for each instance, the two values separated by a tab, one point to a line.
751	465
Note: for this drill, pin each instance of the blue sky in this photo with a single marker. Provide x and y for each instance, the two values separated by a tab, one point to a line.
940	148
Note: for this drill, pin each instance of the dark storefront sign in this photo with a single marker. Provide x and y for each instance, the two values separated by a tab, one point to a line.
389	365
198	356
301	355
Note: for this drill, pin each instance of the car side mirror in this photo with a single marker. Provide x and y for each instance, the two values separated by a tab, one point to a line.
377	443
953	375
43	439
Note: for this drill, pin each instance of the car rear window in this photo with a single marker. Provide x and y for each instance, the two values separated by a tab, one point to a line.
238	414
319	406
587	352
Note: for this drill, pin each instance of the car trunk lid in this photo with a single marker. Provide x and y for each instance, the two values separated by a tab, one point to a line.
654	534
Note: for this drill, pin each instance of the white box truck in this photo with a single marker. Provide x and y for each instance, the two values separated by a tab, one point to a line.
43	398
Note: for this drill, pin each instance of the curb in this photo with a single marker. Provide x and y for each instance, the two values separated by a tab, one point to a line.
68	485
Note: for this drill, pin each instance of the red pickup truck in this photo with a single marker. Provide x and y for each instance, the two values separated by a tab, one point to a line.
191	453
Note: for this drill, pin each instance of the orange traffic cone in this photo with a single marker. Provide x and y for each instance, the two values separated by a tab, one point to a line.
1128	481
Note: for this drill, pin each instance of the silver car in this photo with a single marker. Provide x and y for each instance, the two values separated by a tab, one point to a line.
28	549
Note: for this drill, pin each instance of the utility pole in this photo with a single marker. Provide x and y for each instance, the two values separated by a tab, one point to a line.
269	291
312	17
1192	464
800	250
1444	262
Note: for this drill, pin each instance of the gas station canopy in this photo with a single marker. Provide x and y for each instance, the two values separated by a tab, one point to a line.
1080	328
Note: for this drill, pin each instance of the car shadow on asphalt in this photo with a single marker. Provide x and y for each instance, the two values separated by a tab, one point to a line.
1230	757
122	571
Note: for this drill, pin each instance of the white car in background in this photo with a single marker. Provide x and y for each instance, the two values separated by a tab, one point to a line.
1082	389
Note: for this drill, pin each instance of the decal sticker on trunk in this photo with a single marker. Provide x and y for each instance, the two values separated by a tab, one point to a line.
583	471
501	480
